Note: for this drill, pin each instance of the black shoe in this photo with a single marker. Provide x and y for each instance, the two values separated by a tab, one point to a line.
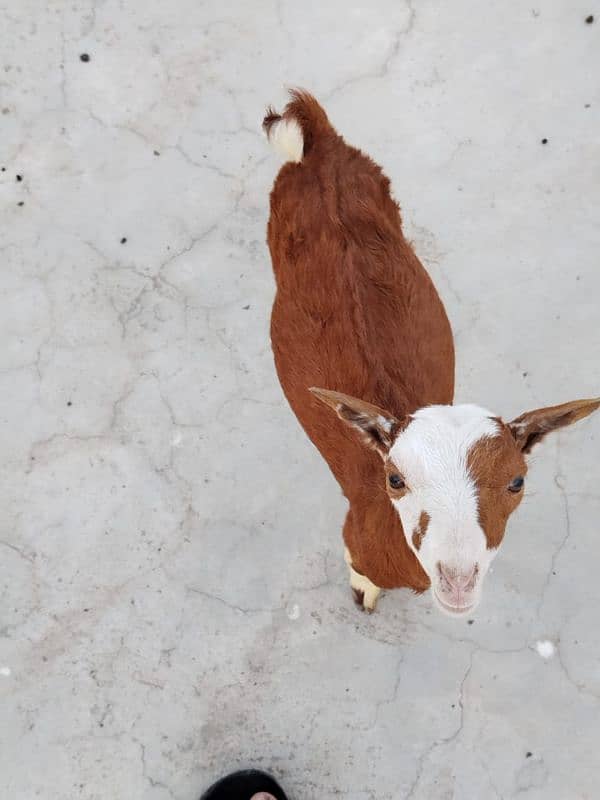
242	785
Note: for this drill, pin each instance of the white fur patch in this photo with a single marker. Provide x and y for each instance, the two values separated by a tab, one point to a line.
5	672
286	137
431	454
293	612
545	648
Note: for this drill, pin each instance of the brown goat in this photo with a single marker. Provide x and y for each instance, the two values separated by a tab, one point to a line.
430	485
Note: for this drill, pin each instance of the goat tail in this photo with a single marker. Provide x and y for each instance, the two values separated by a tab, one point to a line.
294	133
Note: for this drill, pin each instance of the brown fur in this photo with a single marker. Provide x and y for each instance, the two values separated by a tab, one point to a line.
420	531
493	463
356	312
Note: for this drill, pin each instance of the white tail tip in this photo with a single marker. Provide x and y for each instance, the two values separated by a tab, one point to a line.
286	137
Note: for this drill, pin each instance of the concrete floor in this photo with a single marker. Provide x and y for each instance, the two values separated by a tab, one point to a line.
174	600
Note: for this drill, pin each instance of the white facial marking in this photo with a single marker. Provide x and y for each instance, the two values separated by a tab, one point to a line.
431	454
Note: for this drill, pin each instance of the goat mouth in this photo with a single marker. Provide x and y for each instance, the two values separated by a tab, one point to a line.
454	610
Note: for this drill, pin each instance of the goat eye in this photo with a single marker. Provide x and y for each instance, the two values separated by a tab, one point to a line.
396	481
516	484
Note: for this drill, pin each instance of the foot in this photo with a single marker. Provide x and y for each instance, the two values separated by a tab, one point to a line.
364	592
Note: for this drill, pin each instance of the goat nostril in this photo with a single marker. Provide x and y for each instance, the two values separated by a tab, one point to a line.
456	580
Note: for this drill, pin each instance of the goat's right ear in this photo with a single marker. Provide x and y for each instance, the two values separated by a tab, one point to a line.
377	427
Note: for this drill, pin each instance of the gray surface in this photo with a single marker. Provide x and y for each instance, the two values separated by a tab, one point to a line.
174	600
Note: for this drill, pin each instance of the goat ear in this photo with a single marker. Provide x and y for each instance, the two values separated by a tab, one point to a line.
377	427
531	427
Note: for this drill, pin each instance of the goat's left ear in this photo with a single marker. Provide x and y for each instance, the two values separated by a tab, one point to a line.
377	427
531	427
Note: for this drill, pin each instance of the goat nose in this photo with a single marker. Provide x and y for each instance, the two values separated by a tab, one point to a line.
459	580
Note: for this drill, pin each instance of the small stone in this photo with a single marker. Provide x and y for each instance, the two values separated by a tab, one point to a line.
589	19
84	57
544	141
245	308
470	622
528	754
156	153
123	240
545	648
69	403
19	178
20	203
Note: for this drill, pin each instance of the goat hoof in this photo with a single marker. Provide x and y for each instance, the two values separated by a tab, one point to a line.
359	597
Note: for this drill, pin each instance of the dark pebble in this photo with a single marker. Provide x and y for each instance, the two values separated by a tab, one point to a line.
20	203
84	57
245	308
544	141
3	169
528	754
156	153
589	19
471	621
69	403
123	240
19	178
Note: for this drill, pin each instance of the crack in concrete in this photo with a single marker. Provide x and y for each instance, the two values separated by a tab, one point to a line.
561	546
383	70
442	742
231	606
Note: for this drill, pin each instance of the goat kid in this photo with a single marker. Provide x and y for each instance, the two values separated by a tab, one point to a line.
430	485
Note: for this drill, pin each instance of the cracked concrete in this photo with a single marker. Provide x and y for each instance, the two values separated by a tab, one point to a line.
174	601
